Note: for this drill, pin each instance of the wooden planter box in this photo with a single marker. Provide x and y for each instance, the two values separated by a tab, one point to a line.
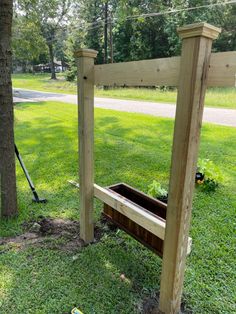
146	203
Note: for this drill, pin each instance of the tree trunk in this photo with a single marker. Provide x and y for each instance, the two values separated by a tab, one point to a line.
62	65
7	153
111	38
106	37
24	67
105	31
52	65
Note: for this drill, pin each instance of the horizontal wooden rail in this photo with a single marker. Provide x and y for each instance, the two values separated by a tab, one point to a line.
134	212
164	71
222	70
139	73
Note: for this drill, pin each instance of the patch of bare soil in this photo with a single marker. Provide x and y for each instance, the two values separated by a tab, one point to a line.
50	233
150	306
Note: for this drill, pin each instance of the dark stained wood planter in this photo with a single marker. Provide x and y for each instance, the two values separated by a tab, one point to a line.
147	203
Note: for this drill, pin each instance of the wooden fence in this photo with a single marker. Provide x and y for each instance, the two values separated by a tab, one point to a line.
196	69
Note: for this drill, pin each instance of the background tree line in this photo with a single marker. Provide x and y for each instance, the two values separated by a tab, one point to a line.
119	30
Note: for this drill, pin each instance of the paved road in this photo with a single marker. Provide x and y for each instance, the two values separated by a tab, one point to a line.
212	115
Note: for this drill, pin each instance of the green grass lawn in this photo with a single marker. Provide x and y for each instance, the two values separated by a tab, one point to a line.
42	82
135	149
216	97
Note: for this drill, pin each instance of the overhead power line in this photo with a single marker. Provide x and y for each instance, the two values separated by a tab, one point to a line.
153	14
102	22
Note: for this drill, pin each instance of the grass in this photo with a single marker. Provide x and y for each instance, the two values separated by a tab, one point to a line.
135	149
42	82
216	97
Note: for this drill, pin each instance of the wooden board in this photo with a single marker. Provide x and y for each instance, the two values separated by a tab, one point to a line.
222	70
139	73
137	213
141	234
194	69
164	71
86	141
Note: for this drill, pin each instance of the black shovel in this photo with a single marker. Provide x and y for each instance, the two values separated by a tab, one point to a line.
36	198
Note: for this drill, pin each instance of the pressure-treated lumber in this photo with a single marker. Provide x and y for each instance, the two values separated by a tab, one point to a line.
86	140
222	70
202	29
192	73
125	207
134	212
164	71
153	72
195	60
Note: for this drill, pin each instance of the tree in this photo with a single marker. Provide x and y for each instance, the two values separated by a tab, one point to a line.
60	47
50	17
7	154
136	36
105	30
227	40
139	37
92	12
27	42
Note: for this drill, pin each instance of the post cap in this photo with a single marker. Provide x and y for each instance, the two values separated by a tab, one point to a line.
199	29
90	53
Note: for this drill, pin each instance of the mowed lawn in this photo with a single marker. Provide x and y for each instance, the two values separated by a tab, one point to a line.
135	149
215	97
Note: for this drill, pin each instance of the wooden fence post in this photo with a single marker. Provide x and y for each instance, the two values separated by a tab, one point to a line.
195	57
86	140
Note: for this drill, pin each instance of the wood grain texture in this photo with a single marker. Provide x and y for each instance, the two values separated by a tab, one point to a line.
90	53
136	213
164	71
145	203
195	60
199	29
154	72
86	142
222	72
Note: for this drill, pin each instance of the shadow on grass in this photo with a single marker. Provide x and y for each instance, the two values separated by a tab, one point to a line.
128	147
53	282
49	148
27	105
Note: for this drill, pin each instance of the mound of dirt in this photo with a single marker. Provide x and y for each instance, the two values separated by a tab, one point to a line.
150	306
50	233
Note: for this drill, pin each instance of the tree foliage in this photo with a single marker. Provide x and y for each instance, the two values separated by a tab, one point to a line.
130	34
50	17
27	42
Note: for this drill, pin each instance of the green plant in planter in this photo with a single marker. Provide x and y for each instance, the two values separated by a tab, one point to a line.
212	175
155	190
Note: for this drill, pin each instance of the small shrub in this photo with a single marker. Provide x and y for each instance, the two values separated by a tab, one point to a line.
155	190
211	175
71	74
